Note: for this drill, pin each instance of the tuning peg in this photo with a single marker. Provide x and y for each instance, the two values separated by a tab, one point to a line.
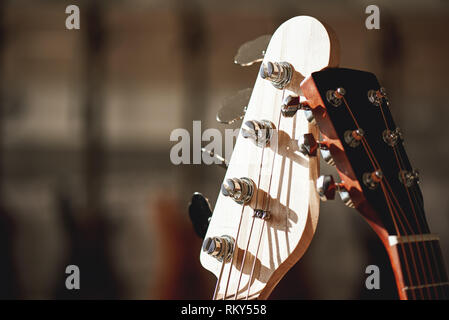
234	108
260	132
326	188
200	214
252	51
240	190
220	248
278	73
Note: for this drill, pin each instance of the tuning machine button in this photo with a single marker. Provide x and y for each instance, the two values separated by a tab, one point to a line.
240	190
252	51
326	188
234	107
326	155
220	248
200	214
278	73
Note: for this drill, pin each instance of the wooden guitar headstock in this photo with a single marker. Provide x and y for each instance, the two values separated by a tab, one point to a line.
352	112
267	212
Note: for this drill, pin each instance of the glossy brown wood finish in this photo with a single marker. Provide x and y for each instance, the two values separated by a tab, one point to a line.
348	177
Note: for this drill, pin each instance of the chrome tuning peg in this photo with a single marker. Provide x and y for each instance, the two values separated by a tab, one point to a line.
240	190
326	188
220	248
234	107
200	214
278	73
260	132
252	51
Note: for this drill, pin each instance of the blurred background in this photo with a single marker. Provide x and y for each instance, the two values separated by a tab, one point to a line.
85	121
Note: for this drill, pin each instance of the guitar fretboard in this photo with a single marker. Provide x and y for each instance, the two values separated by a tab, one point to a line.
422	267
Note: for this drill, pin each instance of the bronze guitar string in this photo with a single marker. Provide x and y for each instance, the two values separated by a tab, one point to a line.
390	203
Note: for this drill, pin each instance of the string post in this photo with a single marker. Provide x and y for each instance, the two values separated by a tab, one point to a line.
392	137
409	178
372	179
354	137
376	96
335	97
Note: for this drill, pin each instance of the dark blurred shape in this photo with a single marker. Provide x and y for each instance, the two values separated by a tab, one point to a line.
9	287
178	270
377	255
8	278
89	248
200	213
93	110
295	285
88	230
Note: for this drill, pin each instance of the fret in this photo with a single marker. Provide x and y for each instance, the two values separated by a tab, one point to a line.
422	266
426	286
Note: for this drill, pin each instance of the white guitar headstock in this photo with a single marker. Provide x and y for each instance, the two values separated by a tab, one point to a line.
267	212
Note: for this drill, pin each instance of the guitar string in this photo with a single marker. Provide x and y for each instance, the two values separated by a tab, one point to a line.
252	225
214	297
268	198
438	276
431	244
392	209
411	204
410	245
425	243
234	253
393	213
385	180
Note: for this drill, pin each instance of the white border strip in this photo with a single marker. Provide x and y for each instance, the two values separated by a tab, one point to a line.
394	240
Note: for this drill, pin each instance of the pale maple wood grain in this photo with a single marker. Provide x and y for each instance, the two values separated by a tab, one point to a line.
309	46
